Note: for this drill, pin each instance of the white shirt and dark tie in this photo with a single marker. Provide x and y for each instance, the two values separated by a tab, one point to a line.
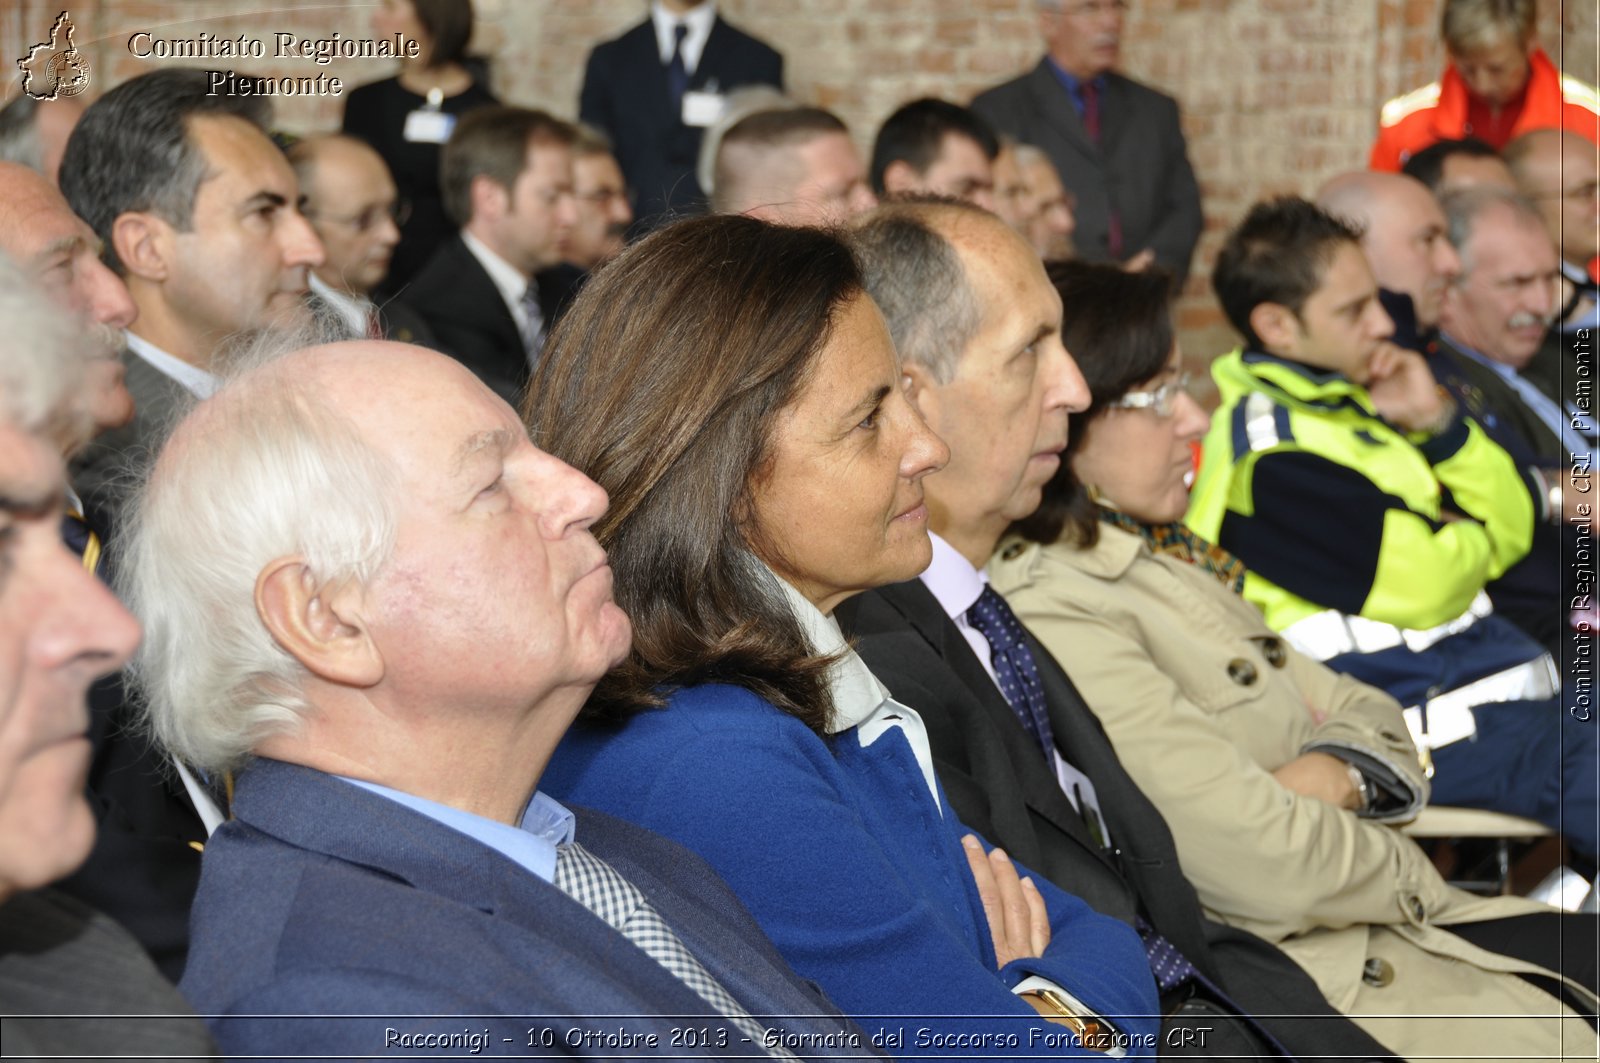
518	292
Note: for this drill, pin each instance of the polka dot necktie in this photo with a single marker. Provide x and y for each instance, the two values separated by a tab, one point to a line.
1014	666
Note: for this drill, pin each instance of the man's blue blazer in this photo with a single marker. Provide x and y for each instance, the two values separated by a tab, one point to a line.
320	899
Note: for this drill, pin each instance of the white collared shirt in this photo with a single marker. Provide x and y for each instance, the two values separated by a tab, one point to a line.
957	586
353	310
194	380
859	699
546	823
699	22
508	280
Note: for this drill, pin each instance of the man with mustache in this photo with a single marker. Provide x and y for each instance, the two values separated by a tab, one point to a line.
1497	311
196	210
1116	143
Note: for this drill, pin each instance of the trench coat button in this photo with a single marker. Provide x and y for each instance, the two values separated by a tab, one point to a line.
1241	671
1012	552
1418	911
1376	972
1272	650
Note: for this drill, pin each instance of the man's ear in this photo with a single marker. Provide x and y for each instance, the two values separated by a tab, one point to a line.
921	388
491	200
144	244
1278	327
900	176
322	627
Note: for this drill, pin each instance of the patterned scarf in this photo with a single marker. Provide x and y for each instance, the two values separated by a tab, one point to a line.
1176	540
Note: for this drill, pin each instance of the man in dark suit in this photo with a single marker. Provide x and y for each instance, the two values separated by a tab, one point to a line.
656	88
978	326
394	639
491	294
70	977
1117	143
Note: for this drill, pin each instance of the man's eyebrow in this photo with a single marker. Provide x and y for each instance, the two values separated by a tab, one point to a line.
499	439
265	199
62	245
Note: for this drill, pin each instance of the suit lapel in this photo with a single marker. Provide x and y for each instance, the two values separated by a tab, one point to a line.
647	73
482	297
1050	101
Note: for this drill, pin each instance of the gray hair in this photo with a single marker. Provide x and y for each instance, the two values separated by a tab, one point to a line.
916	277
262	470
1465	207
19	133
43	353
133	150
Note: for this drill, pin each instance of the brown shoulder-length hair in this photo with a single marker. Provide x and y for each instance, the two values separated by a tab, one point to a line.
1118	328
662	383
448	24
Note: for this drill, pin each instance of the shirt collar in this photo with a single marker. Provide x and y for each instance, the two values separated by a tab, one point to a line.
857	694
546	823
952	579
699	22
508	280
193	379
1072	82
352	310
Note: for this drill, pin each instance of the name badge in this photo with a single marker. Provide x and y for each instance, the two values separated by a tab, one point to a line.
429	127
702	109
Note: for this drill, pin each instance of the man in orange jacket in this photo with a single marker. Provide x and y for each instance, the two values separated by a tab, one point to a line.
1498	85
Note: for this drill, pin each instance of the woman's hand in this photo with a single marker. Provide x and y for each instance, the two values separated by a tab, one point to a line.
1018	921
1322	776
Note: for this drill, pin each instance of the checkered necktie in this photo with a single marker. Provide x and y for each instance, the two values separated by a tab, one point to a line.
1014	666
600	888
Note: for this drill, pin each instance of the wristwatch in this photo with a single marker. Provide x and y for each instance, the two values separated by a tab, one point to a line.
1363	787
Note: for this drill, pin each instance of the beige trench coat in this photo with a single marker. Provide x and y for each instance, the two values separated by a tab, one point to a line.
1181	672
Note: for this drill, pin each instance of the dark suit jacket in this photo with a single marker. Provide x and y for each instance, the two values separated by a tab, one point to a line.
320	898
108	468
1000	785
625	93
1529	592
470	322
1141	163
59	957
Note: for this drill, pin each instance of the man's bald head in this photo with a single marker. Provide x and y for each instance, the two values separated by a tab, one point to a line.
1404	235
1560	173
351	201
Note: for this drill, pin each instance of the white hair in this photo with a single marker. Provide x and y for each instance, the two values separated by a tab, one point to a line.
265	469
43	353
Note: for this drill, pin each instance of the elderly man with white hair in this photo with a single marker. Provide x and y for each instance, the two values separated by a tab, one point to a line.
372	600
60	629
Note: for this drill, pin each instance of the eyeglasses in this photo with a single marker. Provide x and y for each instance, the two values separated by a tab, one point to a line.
369	219
1163	400
1094	8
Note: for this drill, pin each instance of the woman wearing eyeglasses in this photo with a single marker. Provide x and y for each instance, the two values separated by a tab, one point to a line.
1276	775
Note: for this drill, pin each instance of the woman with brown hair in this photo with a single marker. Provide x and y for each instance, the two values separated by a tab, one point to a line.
735	391
1276	774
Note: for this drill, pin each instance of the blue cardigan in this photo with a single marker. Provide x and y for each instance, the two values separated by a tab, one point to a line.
840	854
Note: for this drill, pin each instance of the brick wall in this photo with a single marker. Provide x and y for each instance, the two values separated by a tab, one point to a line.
1277	94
